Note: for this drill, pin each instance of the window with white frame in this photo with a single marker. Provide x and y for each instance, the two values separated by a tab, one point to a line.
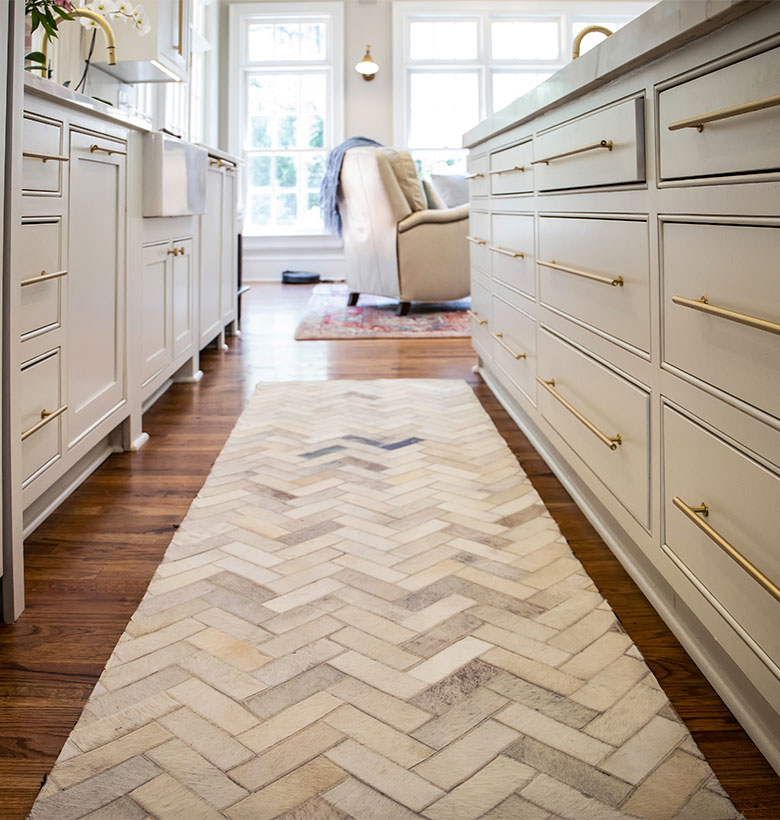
202	27
286	109
457	63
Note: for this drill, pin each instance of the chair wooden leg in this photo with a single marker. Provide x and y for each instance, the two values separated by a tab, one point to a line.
403	308
353	299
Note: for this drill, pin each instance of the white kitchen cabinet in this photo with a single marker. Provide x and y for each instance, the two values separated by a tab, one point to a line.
183	297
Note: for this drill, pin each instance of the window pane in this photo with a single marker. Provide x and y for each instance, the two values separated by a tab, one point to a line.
315	168
524	40
444	40
440	162
286	172
286	209
259	132
509	85
260	42
434	120
270	42
260	172
589	41
259	209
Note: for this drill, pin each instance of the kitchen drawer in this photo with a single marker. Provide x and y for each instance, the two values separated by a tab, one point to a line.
512	251
42	155
600	407
606	147
511	171
41	413
741	499
479	239
514	345
735	268
481	310
477	175
41	275
597	272
734	137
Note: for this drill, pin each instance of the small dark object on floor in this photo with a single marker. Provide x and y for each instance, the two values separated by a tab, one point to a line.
299	277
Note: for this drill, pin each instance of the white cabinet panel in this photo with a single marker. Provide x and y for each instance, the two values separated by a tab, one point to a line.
42	138
511	171
41	395
211	257
229	284
156	332
41	275
512	251
183	297
479	239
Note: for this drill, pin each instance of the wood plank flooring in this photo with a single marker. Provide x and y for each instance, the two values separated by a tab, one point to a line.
89	563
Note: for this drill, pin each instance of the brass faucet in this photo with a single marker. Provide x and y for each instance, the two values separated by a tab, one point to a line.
97	18
575	50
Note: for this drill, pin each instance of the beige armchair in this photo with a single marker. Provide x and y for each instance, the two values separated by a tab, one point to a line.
394	245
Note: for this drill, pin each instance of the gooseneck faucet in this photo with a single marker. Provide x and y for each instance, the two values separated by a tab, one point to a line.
95	17
575	49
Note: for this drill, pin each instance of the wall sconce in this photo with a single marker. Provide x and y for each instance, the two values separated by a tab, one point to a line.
367	67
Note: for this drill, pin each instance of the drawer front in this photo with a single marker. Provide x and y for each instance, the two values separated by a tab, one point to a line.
736	144
477	175
572	155
511	171
596	253
612	405
514	345
40	391
41	276
700	261
42	174
741	499
512	251
481	309
479	239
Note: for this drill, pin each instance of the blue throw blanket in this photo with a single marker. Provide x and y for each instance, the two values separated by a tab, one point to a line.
329	189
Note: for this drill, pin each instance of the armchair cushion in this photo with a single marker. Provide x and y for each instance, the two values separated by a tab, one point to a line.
406	174
428	217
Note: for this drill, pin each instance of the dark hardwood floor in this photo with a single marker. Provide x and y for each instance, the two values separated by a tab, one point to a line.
89	564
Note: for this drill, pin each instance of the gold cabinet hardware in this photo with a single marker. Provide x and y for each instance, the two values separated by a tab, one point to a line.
577	44
45	157
476	240
476	317
474	176
43	277
615	281
693	513
46	417
99	148
506	252
182	251
742	318
725	113
594	146
611	441
499	337
173	251
217	162
508	170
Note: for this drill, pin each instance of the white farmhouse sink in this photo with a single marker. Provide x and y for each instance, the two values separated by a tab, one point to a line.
174	176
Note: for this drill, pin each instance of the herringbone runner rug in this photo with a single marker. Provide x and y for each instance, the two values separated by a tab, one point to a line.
368	613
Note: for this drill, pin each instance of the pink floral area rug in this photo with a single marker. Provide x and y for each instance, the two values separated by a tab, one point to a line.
374	317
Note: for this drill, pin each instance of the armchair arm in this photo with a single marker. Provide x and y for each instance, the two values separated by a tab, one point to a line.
442	215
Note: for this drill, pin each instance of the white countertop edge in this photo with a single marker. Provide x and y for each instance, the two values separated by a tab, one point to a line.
660	30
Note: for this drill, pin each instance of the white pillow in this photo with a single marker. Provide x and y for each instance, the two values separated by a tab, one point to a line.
453	189
406	173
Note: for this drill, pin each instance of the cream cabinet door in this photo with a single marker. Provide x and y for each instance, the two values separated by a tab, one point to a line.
156	289
183	295
229	278
211	257
96	282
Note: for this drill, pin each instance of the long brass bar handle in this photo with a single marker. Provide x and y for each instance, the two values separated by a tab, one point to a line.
499	337
46	417
506	252
99	148
45	157
592	147
725	113
217	162
615	281
476	317
693	513
476	240
44	277
474	176
742	318
508	170
611	441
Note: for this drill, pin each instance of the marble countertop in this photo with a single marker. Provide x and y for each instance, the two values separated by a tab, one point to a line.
660	30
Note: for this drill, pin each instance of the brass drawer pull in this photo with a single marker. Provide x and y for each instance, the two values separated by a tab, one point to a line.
44	277
182	251
611	441
93	148
725	113
476	317
508	170
592	147
742	318
45	157
173	251
615	281
499	337
217	162
474	176
476	240
506	252
693	513
46	417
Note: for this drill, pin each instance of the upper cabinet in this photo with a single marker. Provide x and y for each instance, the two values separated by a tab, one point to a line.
159	56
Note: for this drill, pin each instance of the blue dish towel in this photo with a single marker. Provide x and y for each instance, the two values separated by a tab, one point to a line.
329	189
